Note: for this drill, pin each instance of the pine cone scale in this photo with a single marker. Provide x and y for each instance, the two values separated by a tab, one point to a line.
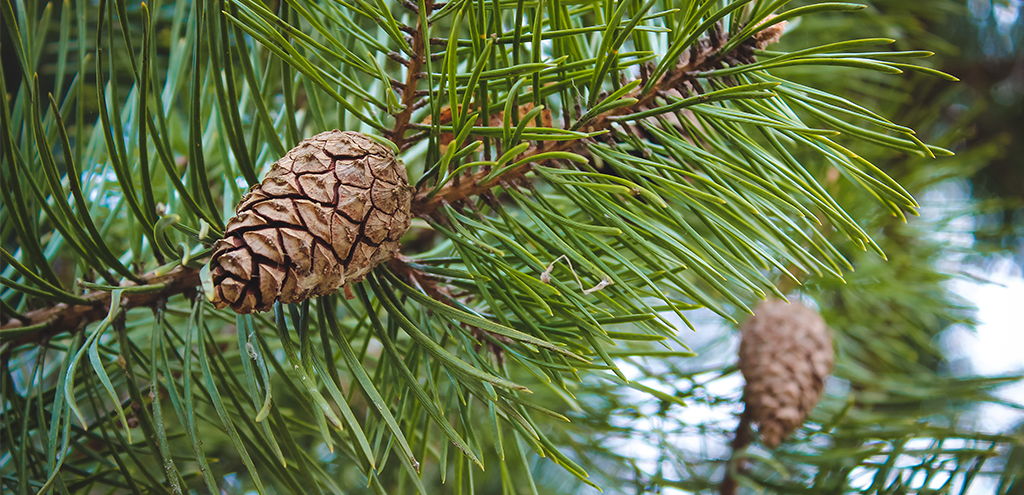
329	211
353	173
320	187
344	234
353	203
316	219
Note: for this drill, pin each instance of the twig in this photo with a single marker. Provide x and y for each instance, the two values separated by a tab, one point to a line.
65	317
413	75
546	276
701	59
744	436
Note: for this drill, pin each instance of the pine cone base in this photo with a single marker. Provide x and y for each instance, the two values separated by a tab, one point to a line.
785	354
327	213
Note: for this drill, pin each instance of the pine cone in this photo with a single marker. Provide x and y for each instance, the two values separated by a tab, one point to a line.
785	355
327	213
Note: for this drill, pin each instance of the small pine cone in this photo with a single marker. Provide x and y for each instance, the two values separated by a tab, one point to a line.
785	355
327	213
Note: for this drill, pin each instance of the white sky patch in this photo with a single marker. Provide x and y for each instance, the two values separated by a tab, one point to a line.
995	346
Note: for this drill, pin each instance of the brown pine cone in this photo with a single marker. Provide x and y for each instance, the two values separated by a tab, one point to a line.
327	213
785	355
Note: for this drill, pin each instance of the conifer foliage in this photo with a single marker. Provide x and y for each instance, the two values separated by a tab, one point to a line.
569	181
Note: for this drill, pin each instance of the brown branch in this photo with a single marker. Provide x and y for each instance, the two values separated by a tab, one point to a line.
744	436
412	77
702	56
65	317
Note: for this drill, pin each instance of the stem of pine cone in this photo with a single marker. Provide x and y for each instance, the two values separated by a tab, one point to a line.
744	436
62	317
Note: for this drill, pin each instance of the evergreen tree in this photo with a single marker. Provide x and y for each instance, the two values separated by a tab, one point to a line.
589	182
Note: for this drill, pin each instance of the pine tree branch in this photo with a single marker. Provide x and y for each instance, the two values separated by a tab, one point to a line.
413	75
65	317
702	57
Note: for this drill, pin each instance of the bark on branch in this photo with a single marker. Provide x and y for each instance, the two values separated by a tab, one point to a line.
701	57
65	317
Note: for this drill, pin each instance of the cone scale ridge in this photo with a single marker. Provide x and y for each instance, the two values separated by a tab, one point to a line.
327	213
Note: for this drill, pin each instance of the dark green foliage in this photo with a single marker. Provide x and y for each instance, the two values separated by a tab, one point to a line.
583	193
